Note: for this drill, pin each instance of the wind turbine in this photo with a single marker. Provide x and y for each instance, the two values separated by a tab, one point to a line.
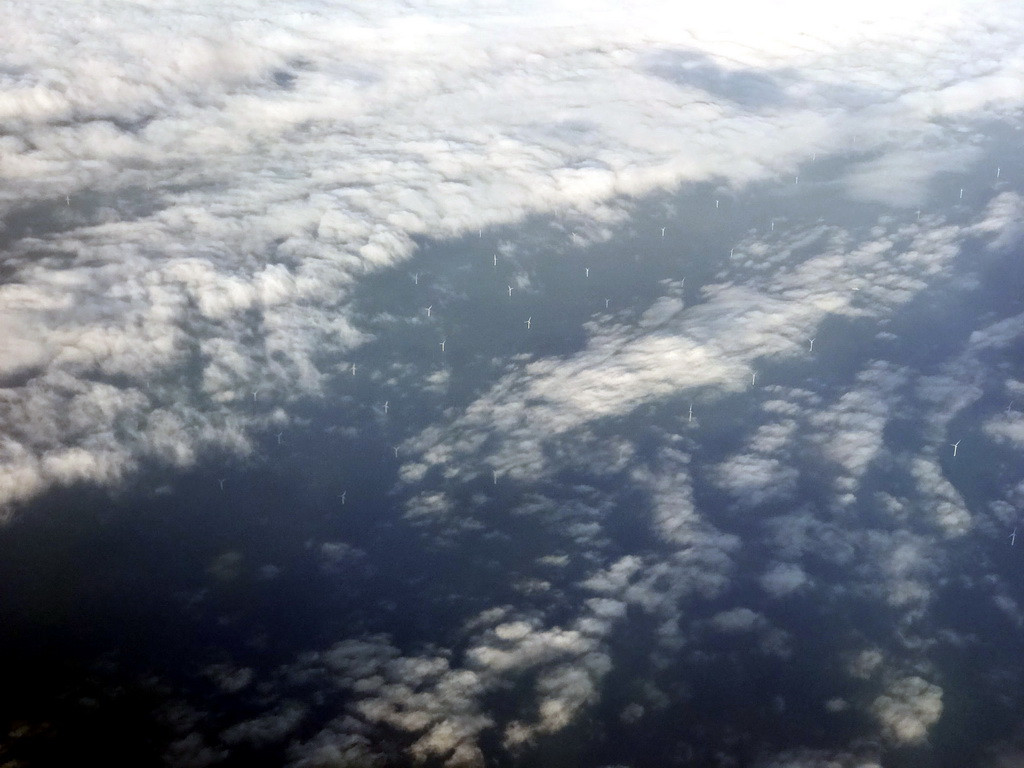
1013	536
606	303
442	344
279	437
812	344
416	279
428	310
954	446
961	193
495	260
689	417
530	318
662	231
343	497
587	271
395	449
385	407
753	378
221	481
494	476
254	393
353	369
510	291
67	198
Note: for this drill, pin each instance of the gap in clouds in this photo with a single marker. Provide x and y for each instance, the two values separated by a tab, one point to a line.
982	688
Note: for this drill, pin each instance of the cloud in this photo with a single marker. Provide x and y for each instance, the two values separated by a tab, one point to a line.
442	706
341	744
900	569
866	663
564	691
783	579
271	728
518	646
765	472
736	620
865	757
1006	429
336	556
1003	220
421	695
851	431
191	751
944	503
802	532
901	177
227	567
230	679
909	707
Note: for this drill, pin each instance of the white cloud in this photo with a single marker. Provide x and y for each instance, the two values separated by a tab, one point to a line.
783	579
1004	220
866	663
441	704
908	708
939	497
900	569
851	431
766	471
901	176
564	691
1008	428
